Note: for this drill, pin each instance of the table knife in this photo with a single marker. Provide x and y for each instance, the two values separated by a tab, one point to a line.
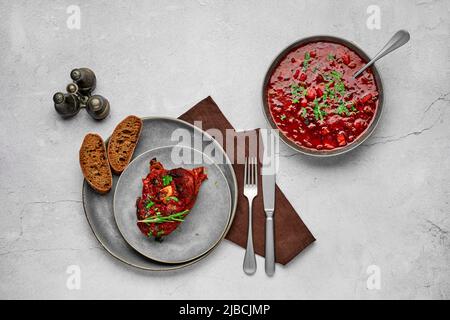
268	186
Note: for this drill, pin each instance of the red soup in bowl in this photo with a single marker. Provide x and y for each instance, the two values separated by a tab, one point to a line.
314	101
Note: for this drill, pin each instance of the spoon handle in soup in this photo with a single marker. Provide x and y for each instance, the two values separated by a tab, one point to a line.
398	39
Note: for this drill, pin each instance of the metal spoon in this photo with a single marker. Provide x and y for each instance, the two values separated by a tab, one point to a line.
398	39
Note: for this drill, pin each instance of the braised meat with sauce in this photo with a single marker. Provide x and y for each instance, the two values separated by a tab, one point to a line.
167	198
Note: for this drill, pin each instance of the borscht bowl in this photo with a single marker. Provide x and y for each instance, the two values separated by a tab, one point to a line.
310	96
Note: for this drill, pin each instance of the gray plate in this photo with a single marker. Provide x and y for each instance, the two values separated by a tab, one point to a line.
156	132
202	229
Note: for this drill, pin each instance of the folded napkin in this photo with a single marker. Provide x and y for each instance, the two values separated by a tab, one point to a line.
291	234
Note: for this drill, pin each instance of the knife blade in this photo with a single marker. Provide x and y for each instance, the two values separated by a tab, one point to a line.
268	185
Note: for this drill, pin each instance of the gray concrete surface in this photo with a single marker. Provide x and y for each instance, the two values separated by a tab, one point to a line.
385	204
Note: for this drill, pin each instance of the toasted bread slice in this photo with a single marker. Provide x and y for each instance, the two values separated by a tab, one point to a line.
94	163
122	143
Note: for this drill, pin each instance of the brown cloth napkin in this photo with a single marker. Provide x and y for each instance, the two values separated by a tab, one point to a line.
291	234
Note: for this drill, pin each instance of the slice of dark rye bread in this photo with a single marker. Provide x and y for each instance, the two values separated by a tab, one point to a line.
122	143
94	163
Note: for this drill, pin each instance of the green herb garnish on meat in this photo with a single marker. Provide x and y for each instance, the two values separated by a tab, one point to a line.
166	180
172	198
160	233
149	204
330	57
282	117
161	219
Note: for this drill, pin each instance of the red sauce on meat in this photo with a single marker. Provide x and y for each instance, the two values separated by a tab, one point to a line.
315	102
167	198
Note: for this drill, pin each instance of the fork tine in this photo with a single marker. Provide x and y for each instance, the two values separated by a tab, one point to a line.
250	170
245	171
249	181
256	171
253	171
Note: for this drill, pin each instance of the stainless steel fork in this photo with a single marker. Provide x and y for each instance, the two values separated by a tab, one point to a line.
250	192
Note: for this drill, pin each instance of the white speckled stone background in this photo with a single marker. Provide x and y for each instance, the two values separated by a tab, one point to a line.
386	203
